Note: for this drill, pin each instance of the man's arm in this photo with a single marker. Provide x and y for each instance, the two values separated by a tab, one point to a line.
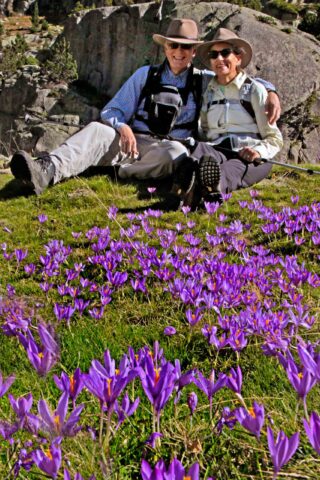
272	106
121	108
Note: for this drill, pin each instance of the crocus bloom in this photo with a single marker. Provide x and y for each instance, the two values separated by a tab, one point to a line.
152	440
48	461
208	385
5	384
175	471
234	380
21	406
313	431
251	419
282	449
78	476
71	385
126	409
158	383
42	218
44	356
169	331
192	402
55	424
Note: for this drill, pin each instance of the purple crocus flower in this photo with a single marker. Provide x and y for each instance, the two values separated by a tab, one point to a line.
208	385
20	254
282	449
44	356
126	409
71	385
7	429
147	473
55	424
42	218
48	461
193	317
234	380
301	379
78	476
169	331
158	383
5	384
251	419
152	440
313	431
227	418
175	471
21	406
192	402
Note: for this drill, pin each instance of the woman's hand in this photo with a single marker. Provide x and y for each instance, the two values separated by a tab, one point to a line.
249	155
128	142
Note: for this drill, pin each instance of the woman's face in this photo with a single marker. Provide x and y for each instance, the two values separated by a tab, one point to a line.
226	63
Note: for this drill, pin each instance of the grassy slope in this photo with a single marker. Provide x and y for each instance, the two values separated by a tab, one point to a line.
131	319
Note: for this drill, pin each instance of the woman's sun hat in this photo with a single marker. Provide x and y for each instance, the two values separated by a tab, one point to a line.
226	36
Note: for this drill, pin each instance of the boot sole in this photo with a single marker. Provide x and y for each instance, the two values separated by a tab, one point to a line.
210	175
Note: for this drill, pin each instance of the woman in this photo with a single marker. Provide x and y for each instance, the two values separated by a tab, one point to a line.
234	124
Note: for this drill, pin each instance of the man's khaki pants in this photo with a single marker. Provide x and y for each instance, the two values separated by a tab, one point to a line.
99	145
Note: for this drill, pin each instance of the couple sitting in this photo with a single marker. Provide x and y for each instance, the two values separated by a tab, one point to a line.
145	125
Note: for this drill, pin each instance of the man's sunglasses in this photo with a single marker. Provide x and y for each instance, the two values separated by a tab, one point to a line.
225	52
184	46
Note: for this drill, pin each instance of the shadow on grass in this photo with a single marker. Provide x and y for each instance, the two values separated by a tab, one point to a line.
15	189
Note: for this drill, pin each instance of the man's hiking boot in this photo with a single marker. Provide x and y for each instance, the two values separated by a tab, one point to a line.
38	173
209	177
185	185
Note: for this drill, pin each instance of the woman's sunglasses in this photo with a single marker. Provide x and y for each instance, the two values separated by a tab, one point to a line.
225	52
184	46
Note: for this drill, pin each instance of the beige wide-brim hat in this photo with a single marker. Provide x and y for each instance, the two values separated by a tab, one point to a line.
180	30
226	36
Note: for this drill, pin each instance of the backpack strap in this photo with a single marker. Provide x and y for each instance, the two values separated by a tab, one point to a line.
153	78
194	85
245	97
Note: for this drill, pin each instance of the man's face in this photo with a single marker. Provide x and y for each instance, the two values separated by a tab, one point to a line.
179	56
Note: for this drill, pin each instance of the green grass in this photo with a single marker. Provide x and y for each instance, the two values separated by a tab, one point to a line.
137	320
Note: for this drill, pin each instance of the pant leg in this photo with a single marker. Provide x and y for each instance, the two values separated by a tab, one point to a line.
96	144
235	173
157	158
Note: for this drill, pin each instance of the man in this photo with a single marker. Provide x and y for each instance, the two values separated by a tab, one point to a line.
142	124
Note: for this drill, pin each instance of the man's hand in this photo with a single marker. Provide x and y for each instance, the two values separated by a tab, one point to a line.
249	155
128	142
273	107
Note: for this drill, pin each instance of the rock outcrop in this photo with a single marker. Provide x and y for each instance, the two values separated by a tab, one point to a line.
110	43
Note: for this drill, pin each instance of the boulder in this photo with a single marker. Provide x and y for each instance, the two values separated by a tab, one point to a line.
109	44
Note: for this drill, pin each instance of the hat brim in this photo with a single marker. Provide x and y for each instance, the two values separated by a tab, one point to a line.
246	55
161	40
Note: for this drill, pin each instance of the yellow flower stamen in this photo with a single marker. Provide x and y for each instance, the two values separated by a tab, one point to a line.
109	380
72	384
252	412
157	375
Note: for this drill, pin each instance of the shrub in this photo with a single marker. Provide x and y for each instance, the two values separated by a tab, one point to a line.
282	6
266	19
35	16
14	56
311	23
253	4
2	29
61	64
